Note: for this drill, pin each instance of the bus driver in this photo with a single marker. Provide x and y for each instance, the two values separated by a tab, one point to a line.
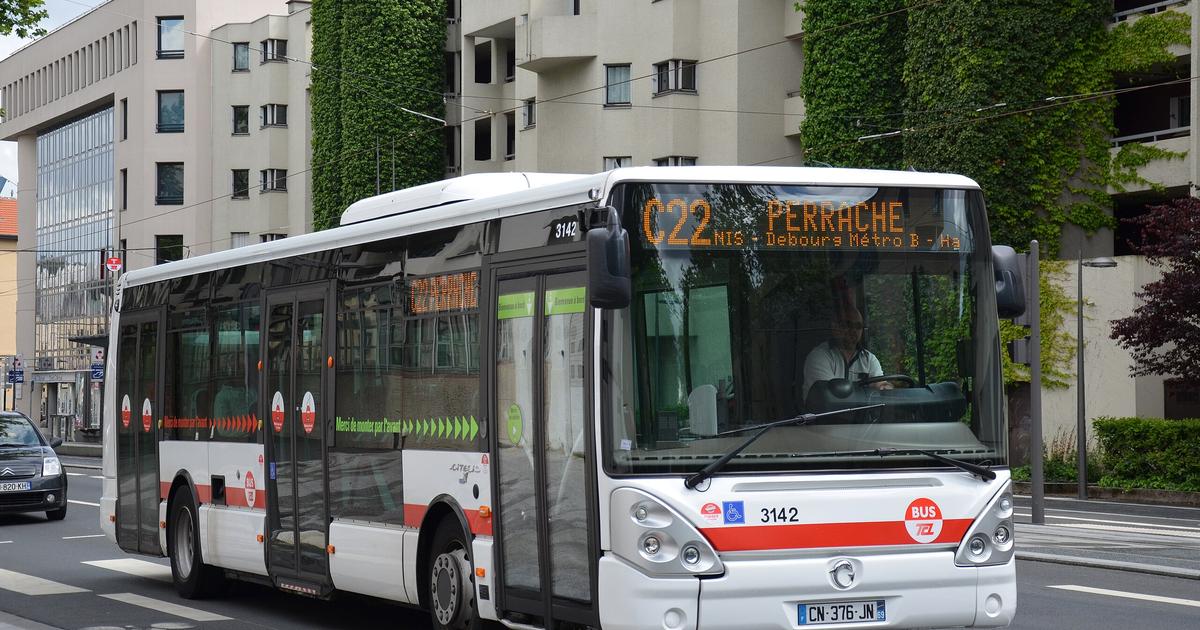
843	356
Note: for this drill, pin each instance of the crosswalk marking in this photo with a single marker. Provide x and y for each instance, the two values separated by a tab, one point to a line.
133	566
1127	595
1134	530
1166	528
195	614
31	585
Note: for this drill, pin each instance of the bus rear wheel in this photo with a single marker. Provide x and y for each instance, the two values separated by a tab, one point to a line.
451	580
193	579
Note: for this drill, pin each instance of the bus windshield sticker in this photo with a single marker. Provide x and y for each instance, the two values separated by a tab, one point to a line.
923	519
565	301
277	413
514	305
800	220
308	412
126	414
516	424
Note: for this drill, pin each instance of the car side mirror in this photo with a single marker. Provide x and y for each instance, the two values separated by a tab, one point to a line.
609	283
55	442
1010	283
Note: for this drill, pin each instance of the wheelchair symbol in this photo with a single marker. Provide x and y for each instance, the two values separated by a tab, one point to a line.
735	512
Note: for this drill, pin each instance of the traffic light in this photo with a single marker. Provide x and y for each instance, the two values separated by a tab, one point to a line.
1024	350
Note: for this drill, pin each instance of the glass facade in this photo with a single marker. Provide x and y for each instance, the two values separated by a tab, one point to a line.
74	223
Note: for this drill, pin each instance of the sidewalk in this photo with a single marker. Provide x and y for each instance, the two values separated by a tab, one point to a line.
1159	540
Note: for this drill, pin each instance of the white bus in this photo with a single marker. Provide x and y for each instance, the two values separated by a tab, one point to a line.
697	397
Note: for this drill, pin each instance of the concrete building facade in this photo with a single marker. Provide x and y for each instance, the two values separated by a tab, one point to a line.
8	287
126	146
587	85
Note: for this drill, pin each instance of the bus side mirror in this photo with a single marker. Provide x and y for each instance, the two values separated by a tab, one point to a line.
608	265
1010	283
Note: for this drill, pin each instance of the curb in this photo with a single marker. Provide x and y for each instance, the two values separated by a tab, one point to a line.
1144	495
1116	565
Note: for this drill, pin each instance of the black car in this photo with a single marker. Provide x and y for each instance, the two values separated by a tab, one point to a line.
31	477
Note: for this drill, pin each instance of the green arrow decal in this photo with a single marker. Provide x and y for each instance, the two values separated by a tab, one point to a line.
474	427
458	433
441	428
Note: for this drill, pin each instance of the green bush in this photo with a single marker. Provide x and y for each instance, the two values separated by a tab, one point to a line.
1060	463
1150	453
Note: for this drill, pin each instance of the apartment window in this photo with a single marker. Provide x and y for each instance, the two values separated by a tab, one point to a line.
241	120
1181	111
170	37
617	161
169	187
239	239
272	179
272	115
510	137
483	139
241	183
483	62
267	238
676	75
273	50
675	160
575	7
510	62
167	248
125	252
124	189
124	119
241	56
616	85
170	111
529	112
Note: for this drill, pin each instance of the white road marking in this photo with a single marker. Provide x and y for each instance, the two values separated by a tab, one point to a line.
1167	518
32	585
1133	530
186	612
86	536
133	566
71	474
5	542
1126	523
1141	596
96	476
83	503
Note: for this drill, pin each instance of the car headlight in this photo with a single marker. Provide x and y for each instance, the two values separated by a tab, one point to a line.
51	467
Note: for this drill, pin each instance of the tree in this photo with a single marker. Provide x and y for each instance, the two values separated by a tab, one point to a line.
22	17
371	60
1163	334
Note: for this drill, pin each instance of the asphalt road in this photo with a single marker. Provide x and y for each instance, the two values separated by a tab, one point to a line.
66	575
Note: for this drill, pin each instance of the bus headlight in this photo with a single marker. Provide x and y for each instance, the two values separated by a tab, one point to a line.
989	541
658	540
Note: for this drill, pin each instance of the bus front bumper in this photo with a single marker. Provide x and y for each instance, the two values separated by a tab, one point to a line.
918	589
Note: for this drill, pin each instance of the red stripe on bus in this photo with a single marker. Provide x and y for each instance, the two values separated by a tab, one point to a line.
415	513
822	535
233	496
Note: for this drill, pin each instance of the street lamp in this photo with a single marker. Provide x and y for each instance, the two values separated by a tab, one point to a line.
1081	422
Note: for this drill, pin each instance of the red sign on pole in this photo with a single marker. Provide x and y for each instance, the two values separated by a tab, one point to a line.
113	263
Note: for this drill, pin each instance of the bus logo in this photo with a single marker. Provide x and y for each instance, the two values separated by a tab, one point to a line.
250	489
126	414
308	412
923	520
710	512
146	415
277	412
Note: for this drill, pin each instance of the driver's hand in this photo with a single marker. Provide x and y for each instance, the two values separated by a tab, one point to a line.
882	385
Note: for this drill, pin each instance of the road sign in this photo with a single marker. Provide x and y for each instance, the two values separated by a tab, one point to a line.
97	371
113	263
16	376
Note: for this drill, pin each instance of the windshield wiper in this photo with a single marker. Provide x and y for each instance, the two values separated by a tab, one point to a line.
704	473
982	472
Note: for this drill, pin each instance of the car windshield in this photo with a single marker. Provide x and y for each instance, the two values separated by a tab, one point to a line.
16	431
755	303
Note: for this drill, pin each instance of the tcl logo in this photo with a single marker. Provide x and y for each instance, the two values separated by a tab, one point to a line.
929	510
923	520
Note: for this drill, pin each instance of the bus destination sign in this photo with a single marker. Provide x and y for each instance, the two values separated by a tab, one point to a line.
795	224
447	293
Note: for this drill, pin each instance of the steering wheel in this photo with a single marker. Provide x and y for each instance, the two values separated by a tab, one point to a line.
904	378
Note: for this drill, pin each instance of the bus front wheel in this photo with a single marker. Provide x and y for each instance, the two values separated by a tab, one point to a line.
193	579
451	583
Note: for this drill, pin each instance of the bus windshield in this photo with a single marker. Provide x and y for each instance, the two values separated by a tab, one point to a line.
756	303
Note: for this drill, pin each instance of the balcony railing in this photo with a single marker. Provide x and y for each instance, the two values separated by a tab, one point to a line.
1153	136
1147	9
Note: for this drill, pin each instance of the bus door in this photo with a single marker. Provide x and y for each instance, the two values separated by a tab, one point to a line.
296	389
139	405
542	446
